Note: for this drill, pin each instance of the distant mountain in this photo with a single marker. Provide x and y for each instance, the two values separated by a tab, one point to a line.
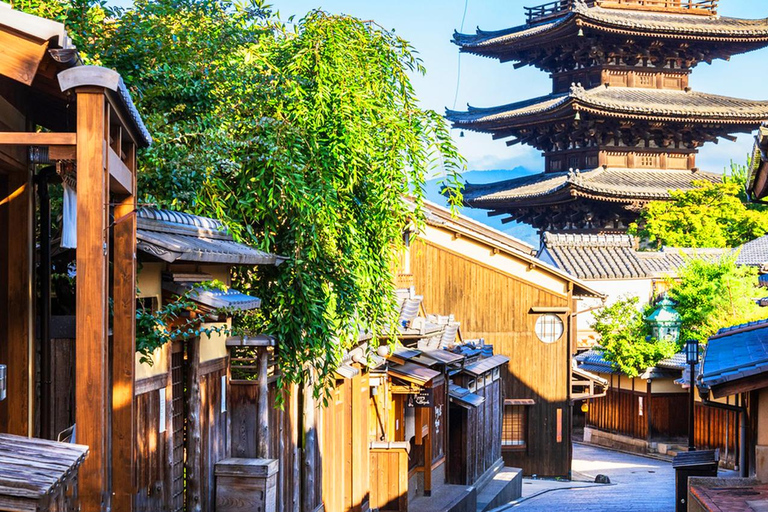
517	230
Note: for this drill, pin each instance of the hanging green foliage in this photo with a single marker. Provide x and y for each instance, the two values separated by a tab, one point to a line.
304	137
626	337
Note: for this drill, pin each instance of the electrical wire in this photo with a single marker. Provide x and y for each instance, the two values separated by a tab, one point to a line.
458	70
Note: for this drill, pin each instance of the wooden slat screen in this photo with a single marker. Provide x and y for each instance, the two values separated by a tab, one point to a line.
514	427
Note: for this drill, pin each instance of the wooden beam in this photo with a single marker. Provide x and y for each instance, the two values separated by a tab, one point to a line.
263	406
124	347
120	176
20	57
20	300
92	299
194	464
38	139
742	385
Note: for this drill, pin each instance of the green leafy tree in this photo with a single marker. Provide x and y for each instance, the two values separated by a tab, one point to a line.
713	295
710	215
304	138
625	337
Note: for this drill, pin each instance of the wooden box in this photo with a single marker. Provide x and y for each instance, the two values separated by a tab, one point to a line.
246	485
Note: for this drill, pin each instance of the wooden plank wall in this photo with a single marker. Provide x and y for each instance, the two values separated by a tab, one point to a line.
618	412
284	437
496	306
475	439
153	452
389	480
214	428
716	429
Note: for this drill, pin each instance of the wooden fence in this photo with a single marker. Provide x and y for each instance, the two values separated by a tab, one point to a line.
625	412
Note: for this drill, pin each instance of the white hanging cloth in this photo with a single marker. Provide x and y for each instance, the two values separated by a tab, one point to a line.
69	221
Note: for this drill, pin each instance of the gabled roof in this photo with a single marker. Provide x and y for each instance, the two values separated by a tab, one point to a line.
175	236
603	257
613	21
605	184
626	102
736	353
464	226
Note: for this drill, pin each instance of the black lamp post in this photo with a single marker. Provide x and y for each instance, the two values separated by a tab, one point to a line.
692	358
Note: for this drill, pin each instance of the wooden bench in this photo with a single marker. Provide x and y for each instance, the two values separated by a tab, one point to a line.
37	475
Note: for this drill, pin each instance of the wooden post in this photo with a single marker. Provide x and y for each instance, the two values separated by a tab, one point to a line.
309	453
124	347
648	409
295	505
20	302
426	419
92	297
263	405
194	464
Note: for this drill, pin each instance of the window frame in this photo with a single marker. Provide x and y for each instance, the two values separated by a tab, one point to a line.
520	443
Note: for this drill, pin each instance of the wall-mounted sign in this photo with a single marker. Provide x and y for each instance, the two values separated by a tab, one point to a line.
425	398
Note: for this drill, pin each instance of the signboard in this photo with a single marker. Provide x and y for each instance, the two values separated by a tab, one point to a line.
425	399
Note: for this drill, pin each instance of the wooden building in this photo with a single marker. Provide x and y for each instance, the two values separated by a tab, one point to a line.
735	363
622	126
521	305
58	117
643	414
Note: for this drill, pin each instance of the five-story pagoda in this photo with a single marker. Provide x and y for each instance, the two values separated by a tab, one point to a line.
622	126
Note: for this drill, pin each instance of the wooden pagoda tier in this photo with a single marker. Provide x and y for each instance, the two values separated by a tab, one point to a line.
568	35
617	126
603	200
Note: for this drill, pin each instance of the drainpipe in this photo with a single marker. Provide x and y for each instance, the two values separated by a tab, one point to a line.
742	411
43	179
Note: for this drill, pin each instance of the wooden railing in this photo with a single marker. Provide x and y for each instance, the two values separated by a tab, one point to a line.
556	8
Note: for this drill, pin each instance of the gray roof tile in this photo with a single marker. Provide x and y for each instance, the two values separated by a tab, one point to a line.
598	257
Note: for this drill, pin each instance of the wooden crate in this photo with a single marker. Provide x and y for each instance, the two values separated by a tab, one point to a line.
246	485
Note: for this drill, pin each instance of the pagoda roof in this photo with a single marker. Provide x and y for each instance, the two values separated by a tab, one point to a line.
622	22
603	184
625	102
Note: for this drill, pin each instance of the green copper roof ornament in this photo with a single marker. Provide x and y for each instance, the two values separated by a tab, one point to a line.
665	321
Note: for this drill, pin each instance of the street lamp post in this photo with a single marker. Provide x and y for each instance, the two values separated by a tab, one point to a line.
692	357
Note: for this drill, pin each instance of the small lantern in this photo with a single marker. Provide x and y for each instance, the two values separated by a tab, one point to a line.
665	321
692	352
585	407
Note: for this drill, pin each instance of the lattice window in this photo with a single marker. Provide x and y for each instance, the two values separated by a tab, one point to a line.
644	80
647	160
514	428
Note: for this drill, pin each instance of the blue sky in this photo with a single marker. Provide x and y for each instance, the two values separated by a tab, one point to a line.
429	25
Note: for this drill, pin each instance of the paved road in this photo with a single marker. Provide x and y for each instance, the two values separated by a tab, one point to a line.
641	485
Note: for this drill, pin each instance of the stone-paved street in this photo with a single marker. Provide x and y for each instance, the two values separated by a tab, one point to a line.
640	485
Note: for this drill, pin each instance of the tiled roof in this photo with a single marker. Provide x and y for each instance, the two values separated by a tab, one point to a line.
174	236
754	253
627	102
621	184
592	361
599	257
735	353
706	28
